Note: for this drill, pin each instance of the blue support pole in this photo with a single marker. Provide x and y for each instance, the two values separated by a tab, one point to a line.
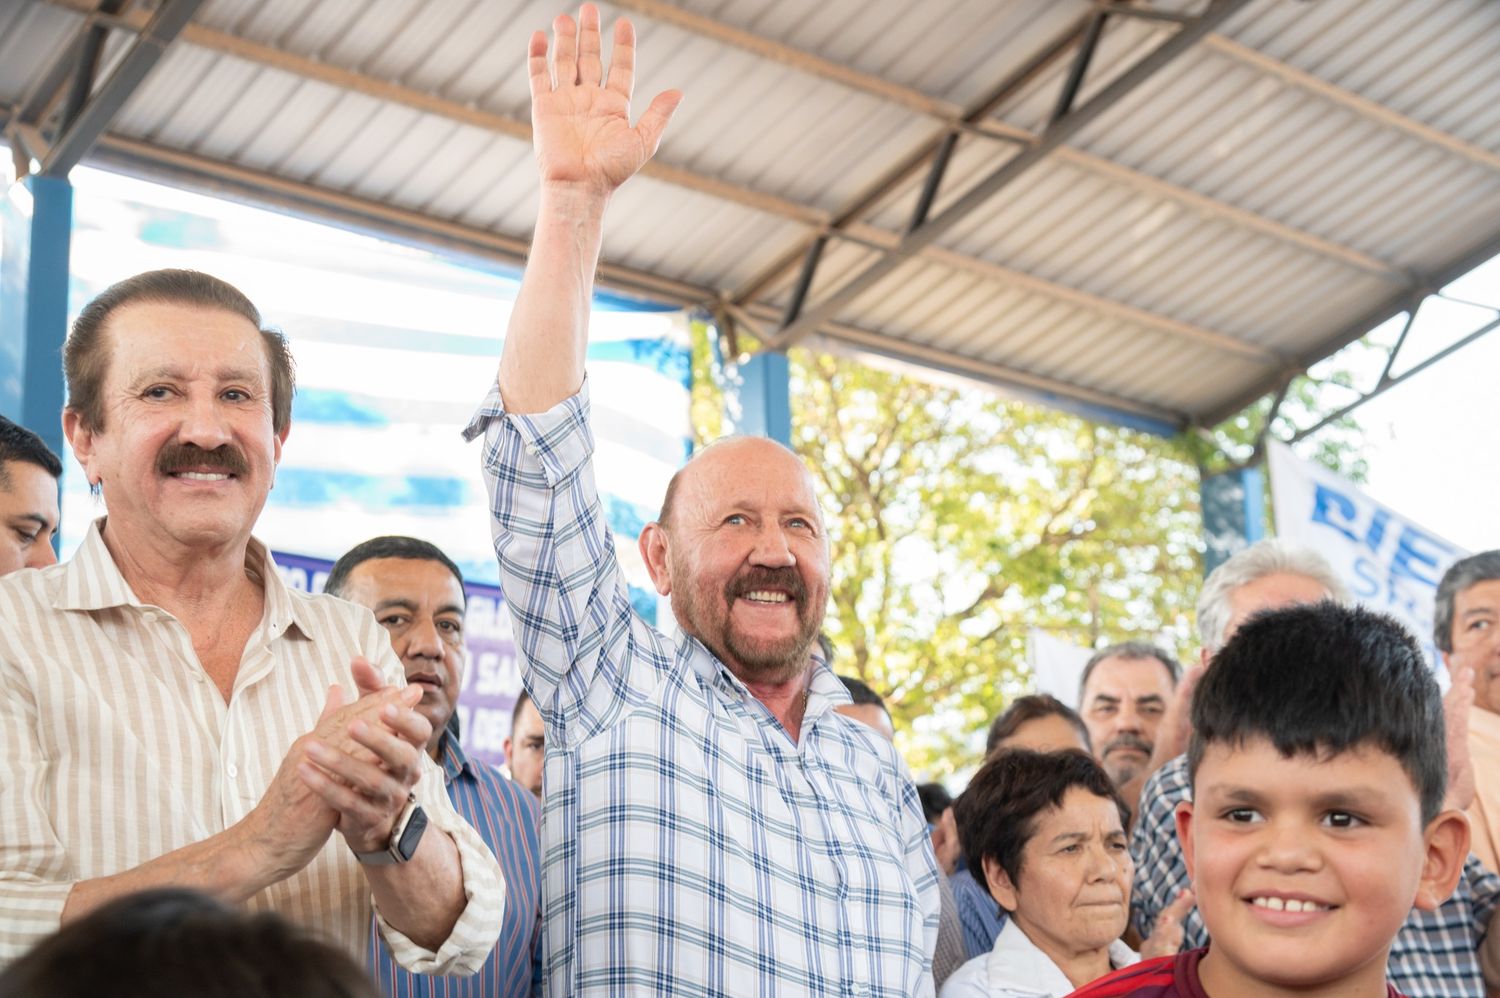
765	397
38	217
1234	513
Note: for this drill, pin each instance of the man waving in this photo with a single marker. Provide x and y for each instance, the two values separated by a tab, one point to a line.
710	824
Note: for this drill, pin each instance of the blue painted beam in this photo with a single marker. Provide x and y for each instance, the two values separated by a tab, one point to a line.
765	397
34	304
1234	513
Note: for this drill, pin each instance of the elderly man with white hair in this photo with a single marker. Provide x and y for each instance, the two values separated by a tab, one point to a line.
1436	952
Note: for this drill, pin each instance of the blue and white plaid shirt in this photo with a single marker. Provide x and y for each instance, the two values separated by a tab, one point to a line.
690	848
1435	955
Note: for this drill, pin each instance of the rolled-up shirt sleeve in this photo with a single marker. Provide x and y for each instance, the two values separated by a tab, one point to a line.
478	927
579	640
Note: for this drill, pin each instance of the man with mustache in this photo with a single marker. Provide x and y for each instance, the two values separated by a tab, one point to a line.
170	712
711	824
1122	696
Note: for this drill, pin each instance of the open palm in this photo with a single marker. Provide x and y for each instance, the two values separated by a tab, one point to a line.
580	123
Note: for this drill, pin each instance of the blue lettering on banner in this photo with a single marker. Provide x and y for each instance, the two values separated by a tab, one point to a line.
1400	564
1324	500
1417	549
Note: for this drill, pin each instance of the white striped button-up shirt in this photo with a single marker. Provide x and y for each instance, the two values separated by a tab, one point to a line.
116	747
689	846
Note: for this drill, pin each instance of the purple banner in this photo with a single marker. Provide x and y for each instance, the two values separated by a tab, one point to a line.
492	679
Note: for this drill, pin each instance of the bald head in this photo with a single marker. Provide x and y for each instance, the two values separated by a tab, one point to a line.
749	451
740	549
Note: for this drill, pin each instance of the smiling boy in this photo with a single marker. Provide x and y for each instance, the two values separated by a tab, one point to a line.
1319	768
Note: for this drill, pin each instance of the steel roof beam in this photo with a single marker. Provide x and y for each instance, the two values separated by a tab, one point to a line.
788	55
951	114
1409	297
1362	106
920	238
982	124
418	100
1143	415
91	119
1387	383
849	216
819	221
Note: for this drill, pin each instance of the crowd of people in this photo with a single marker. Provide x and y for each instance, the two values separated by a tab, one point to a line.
211	784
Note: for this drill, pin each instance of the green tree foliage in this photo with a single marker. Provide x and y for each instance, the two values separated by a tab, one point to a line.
960	520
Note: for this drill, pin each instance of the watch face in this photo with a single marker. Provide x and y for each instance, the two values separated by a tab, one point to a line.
412	834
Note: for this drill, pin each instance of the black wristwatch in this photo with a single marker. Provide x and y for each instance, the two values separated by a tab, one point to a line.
405	835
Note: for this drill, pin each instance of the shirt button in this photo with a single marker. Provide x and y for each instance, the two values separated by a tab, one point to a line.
531	449
198	678
232	770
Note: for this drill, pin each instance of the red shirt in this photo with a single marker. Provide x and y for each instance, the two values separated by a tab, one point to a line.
1164	977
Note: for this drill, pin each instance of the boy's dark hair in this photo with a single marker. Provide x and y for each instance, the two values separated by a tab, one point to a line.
390	546
935	800
17	443
1029	708
996	814
1323	679
180	942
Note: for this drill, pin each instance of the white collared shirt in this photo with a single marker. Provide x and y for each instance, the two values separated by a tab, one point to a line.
1017	968
116	748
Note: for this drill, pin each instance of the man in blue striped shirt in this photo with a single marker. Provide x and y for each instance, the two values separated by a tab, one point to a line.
416	593
712	825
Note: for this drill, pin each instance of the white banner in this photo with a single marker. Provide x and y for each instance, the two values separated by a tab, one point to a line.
1390	563
1056	665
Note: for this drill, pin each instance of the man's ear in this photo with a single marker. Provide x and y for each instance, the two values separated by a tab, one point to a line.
999	883
1184	816
81	440
654	553
1447	848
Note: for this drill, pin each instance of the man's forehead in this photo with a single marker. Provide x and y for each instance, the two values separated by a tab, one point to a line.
409	580
1114	674
29	482
1483	595
741	468
147	335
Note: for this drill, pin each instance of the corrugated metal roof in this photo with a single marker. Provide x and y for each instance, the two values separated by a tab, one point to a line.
1221	225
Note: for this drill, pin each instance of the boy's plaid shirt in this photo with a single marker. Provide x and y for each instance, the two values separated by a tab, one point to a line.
689	847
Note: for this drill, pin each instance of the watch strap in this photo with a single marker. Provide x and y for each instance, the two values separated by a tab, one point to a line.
405	834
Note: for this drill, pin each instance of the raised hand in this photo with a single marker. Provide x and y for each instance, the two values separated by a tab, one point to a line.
1457	703
580	121
1167	932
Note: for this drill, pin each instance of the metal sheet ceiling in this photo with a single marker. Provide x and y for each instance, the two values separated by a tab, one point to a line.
1231	219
